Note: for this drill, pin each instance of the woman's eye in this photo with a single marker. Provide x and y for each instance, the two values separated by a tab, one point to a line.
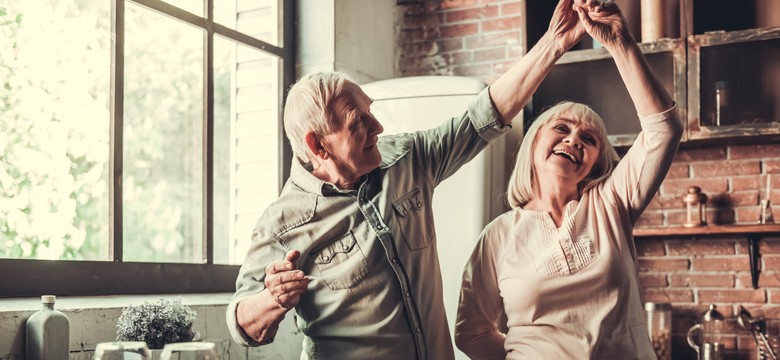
590	140
560	128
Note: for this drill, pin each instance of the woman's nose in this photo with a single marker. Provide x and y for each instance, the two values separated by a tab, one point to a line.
573	141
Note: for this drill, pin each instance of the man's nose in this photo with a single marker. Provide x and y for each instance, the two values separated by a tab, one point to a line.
376	127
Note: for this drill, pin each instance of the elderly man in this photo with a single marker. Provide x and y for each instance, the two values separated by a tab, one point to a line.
350	244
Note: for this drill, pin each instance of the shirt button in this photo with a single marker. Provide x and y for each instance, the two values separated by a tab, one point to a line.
325	258
418	329
408	294
393	260
344	246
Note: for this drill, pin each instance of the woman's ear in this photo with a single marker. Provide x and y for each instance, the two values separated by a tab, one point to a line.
316	146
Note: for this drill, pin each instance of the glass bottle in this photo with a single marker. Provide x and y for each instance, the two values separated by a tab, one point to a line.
695	207
721	101
659	326
47	333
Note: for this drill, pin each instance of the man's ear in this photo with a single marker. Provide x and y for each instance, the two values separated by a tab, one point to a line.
316	146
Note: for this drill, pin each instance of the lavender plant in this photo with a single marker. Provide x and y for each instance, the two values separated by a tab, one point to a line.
157	323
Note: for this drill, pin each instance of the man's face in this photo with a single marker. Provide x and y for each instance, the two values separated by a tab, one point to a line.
352	146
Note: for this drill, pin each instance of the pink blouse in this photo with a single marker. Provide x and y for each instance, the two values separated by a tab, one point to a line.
532	290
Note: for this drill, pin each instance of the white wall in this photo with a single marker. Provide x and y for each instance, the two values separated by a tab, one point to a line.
352	36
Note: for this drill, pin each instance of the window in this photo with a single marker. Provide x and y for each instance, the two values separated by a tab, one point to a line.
141	140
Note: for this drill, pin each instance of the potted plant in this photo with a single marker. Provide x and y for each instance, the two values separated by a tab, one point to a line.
156	323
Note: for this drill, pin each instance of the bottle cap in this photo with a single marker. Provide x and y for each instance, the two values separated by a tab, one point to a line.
651	306
48	299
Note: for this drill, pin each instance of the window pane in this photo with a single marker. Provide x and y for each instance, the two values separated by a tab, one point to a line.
54	120
256	18
246	144
193	6
163	139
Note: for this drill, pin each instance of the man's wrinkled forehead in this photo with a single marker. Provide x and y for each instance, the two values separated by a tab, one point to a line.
349	103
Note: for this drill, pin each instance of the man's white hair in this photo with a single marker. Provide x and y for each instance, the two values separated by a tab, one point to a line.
308	108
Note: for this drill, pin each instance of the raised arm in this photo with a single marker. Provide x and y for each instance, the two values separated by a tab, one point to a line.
513	89
639	174
607	25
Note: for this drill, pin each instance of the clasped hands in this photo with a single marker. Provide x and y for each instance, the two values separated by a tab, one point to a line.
285	282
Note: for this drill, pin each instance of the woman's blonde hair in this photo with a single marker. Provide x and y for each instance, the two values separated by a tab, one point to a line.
523	180
308	108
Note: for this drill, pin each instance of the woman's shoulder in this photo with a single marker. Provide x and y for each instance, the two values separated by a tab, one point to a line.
502	225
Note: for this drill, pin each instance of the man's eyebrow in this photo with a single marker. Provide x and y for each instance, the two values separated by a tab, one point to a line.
351	118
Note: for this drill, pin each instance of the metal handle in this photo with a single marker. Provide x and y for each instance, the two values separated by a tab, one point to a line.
691	331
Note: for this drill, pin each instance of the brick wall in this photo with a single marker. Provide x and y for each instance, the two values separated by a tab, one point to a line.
482	38
692	272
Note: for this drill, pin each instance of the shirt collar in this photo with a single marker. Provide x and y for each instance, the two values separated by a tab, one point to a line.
301	175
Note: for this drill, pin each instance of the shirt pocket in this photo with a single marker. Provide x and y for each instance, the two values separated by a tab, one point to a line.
342	263
413	215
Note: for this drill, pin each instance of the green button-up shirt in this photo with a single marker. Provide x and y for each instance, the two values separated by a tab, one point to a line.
375	289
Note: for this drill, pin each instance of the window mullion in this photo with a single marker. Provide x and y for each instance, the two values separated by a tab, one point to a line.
288	78
116	128
208	139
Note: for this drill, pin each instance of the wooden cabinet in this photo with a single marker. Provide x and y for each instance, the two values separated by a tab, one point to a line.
591	77
720	61
734	84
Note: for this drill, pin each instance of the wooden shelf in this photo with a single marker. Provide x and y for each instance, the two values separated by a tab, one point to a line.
753	232
756	229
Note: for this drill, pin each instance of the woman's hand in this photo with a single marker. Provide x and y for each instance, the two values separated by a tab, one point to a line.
603	21
565	28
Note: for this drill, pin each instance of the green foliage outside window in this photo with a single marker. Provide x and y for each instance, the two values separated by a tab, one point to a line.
54	135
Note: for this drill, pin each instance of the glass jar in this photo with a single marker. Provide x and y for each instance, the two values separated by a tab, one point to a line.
659	326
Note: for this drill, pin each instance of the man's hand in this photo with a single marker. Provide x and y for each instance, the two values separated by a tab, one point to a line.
284	282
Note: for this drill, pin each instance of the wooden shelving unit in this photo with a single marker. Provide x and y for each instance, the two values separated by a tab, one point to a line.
717	60
750	230
754	234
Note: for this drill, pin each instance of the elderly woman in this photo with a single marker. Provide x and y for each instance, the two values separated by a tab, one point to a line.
556	277
349	243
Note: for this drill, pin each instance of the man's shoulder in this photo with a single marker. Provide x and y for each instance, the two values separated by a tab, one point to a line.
293	208
394	148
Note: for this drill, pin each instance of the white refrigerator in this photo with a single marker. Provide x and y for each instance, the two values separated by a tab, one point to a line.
464	203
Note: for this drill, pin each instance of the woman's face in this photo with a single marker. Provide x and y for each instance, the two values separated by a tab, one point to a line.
566	148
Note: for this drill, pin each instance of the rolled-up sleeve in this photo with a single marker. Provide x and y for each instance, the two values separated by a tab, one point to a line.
251	279
442	150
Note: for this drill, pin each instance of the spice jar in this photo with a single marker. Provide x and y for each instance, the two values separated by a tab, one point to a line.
659	326
695	207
